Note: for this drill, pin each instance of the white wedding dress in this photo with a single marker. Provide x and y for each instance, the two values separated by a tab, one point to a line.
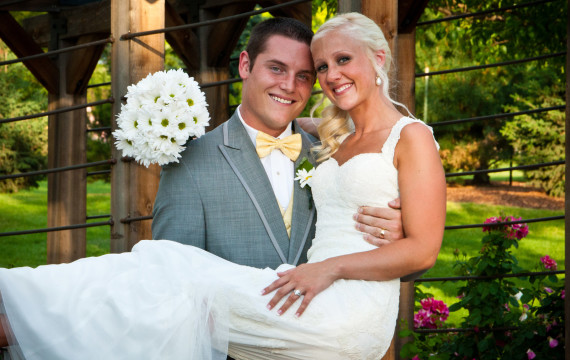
165	300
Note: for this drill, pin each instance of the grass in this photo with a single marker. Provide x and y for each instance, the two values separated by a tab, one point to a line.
27	210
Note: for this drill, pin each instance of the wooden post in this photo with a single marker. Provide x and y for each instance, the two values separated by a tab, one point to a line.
216	96
405	73
67	190
133	187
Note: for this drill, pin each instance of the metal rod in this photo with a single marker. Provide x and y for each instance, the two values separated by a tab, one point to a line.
210	22
106	128
58	228
497	116
478	67
98	85
98	216
549	218
55	52
54	170
484	12
128	220
522	167
57	111
490	277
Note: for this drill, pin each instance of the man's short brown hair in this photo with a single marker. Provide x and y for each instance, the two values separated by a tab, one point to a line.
287	27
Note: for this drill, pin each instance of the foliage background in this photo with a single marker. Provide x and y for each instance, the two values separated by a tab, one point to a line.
486	39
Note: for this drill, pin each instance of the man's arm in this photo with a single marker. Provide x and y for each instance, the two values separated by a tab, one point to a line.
382	226
178	213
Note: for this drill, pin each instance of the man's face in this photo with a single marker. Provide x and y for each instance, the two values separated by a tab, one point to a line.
277	88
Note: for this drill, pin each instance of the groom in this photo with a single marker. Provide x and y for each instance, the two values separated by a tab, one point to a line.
243	204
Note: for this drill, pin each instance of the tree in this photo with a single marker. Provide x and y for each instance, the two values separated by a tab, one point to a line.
486	39
23	144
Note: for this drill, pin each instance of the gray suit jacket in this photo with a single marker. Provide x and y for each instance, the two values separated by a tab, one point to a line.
219	198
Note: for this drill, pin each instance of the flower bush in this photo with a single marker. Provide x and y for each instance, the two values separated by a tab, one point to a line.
506	319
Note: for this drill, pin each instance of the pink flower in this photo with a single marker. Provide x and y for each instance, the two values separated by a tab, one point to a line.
507	307
432	314
563	294
548	290
552	342
512	231
416	358
423	319
531	355
518	231
548	262
491	220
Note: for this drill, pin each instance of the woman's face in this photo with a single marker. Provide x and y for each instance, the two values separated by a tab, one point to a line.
344	70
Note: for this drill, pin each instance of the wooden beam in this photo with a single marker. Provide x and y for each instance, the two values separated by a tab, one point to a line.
301	12
93	18
409	12
22	44
183	42
223	37
82	65
36	5
133	187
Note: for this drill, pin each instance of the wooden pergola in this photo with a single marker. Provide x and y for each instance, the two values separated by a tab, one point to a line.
205	51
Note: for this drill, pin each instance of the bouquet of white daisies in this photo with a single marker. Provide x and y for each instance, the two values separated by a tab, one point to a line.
162	112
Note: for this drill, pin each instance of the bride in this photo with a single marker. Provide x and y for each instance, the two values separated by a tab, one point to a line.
165	300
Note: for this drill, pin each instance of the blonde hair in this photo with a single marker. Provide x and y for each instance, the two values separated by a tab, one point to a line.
336	122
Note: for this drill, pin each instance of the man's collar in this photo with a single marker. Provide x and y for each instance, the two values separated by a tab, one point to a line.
252	132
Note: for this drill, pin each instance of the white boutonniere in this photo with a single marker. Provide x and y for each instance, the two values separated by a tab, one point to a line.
304	173
162	112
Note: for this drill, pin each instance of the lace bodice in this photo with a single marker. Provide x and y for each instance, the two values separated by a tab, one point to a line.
366	179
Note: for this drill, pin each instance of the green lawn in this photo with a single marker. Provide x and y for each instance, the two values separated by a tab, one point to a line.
27	210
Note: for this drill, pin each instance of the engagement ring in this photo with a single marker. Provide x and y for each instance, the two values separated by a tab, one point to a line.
297	292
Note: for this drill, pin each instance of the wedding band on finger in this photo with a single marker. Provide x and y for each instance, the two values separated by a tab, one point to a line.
382	233
297	292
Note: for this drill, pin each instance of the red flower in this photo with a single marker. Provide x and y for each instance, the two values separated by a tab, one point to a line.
548	262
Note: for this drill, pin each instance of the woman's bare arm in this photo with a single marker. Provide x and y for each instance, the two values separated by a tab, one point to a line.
423	198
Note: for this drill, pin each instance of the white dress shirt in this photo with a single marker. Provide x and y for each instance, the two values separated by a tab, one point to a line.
279	168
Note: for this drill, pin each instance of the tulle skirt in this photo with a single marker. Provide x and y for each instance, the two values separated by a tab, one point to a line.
165	300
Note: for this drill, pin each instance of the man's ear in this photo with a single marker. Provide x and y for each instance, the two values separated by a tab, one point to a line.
244	65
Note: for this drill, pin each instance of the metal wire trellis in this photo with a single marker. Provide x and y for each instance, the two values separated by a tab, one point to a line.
57	52
58	111
496	116
479	67
54	170
484	12
521	167
57	228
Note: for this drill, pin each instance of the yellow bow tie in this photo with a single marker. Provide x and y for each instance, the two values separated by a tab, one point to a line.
289	146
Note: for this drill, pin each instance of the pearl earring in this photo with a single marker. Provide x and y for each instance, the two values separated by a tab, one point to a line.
378	80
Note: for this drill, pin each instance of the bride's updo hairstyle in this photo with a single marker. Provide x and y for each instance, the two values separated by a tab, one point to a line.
337	123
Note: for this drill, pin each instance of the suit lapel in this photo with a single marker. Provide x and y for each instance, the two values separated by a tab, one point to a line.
242	158
303	207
